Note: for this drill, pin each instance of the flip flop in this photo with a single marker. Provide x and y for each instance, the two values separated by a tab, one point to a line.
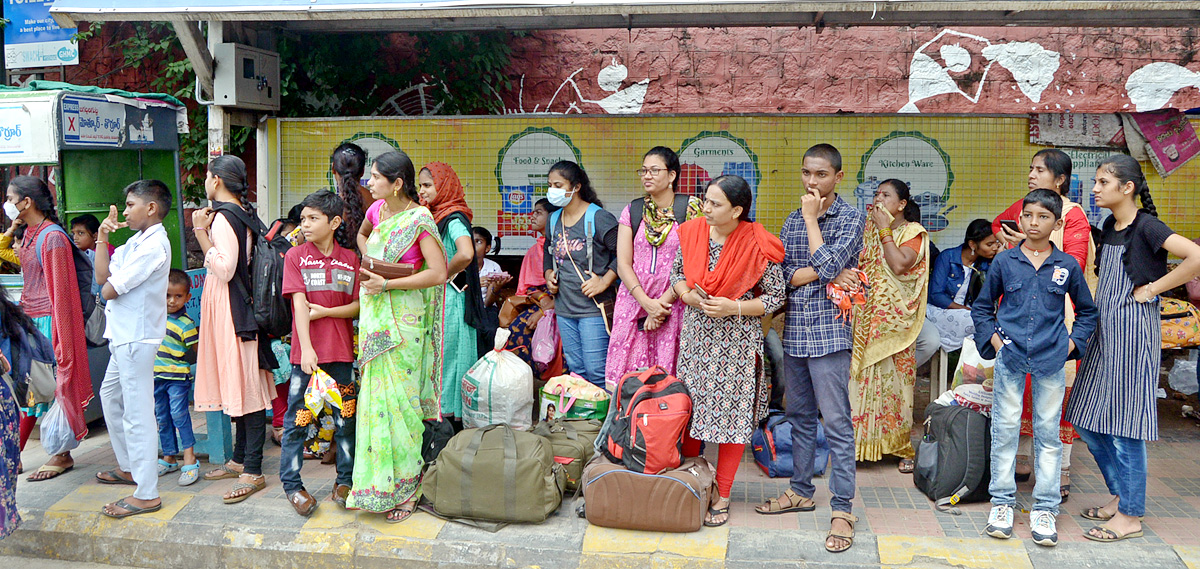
906	466
403	515
1095	514
57	470
221	473
114	477
233	497
1110	534
130	509
714	512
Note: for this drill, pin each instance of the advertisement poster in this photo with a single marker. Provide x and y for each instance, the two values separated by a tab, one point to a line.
1092	130
1166	137
958	168
33	39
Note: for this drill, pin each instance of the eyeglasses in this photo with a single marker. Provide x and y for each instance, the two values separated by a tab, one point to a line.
652	171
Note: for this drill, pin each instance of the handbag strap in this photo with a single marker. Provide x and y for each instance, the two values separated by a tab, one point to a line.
561	391
510	473
466	483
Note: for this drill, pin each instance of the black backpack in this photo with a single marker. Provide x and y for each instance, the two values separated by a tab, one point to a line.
679	208
953	461
272	310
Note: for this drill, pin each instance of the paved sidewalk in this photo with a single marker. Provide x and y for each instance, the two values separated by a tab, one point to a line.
898	527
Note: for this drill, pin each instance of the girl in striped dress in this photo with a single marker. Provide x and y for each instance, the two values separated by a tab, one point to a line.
1112	405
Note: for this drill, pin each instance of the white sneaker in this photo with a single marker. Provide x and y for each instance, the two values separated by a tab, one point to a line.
1000	522
1042	527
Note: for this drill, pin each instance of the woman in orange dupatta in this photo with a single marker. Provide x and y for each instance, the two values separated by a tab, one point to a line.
727	273
882	365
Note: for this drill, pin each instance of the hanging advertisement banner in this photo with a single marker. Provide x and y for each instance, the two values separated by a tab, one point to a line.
33	39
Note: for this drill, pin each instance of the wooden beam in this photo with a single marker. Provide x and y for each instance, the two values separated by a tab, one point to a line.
197	52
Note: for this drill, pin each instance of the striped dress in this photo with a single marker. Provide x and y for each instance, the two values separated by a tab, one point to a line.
1114	389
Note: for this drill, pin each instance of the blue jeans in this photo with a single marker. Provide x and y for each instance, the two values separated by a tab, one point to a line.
171	409
585	346
291	457
1122	461
813	385
1008	394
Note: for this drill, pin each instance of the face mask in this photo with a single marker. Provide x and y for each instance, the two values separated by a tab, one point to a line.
558	197
11	210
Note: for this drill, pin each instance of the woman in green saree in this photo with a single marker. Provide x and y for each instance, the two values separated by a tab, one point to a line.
400	342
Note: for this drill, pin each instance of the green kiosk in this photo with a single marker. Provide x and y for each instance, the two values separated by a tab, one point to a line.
89	144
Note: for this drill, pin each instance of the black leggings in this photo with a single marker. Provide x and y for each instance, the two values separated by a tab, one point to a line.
248	439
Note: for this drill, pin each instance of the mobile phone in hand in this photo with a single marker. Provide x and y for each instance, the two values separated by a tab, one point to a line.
1011	225
701	292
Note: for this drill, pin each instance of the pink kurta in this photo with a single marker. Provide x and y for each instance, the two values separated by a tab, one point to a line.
227	375
628	347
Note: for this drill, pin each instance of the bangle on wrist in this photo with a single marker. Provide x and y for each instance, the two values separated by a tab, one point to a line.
635	287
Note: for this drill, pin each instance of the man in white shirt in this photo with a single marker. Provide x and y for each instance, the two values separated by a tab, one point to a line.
134	282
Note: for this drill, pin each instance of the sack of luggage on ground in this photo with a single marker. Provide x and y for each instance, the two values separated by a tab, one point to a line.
495	474
653	409
674	500
1180	323
572	397
498	389
772	446
953	462
571	440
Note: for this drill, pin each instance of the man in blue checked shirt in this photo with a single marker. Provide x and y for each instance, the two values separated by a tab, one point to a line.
820	239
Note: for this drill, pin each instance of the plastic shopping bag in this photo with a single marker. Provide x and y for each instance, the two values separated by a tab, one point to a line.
498	389
322	389
972	368
57	436
545	338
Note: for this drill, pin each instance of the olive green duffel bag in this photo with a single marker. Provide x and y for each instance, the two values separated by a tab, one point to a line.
573	443
495	474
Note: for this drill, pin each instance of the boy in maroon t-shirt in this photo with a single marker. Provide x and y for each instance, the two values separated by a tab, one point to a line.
322	279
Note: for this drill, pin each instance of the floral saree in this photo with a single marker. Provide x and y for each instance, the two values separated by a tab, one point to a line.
400	355
883	367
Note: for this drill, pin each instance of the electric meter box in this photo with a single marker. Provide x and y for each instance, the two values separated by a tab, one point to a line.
245	77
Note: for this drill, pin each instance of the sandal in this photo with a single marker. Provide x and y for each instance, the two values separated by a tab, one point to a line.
1110	534
795	504
242	490
189	474
400	513
114	477
55	471
130	509
714	512
222	472
907	466
1095	514
165	468
851	519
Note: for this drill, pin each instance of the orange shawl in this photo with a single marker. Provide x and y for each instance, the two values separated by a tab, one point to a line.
450	196
743	259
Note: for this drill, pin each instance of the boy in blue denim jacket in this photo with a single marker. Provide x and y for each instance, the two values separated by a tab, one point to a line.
1020	320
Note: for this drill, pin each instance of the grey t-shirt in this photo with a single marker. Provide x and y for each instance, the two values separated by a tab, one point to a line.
571	302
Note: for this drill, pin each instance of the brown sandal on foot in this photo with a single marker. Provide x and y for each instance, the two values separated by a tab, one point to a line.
795	504
851	519
400	513
906	466
243	490
222	472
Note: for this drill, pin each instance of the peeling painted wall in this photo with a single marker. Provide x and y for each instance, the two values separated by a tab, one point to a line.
863	70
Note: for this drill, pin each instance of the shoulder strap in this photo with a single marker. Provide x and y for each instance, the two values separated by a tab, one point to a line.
42	237
636	208
681	208
554	217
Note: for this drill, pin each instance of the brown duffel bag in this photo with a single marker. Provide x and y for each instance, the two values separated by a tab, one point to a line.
671	501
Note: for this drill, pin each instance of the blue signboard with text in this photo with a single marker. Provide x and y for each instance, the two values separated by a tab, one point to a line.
33	39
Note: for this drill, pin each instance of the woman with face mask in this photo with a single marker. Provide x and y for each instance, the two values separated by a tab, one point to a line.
581	268
51	299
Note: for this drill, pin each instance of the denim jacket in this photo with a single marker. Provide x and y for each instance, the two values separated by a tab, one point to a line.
948	274
1027	308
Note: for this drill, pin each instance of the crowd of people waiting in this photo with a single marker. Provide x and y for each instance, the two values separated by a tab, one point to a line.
394	300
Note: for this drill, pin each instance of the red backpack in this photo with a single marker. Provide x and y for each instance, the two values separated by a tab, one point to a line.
653	409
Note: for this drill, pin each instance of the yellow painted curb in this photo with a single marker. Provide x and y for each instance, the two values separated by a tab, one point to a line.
708	543
91	498
956	552
1190	555
418	526
330	516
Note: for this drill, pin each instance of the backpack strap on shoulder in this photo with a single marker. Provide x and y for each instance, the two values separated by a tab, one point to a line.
636	209
554	217
680	208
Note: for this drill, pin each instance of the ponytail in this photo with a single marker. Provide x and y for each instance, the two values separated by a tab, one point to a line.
1147	201
349	162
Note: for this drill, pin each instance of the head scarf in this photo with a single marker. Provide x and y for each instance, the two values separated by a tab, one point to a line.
450	197
743	260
